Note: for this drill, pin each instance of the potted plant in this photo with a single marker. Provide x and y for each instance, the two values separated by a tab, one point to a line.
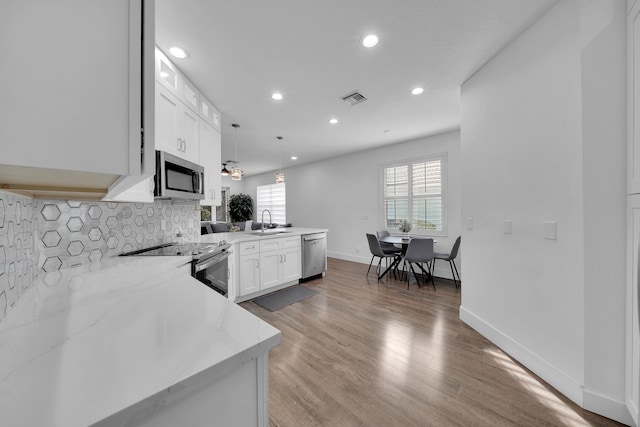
240	207
405	227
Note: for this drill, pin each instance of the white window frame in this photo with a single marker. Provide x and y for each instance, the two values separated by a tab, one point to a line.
278	208
443	157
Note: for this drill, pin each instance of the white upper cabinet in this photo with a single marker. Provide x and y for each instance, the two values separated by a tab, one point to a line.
209	113
166	73
177	127
210	158
188	124
72	105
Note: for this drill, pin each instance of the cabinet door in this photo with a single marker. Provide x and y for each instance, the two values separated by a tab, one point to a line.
210	159
167	118
292	264
166	72
270	267
190	95
209	113
249	269
81	111
190	126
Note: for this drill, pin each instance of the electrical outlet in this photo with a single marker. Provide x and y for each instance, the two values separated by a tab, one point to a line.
365	217
163	224
550	230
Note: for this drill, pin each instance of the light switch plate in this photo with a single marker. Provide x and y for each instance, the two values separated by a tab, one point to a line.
550	230
469	223
507	226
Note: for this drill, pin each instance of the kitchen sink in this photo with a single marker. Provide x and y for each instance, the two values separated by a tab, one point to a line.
268	232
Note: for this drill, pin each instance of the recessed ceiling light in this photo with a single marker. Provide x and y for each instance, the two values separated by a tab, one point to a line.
294	157
333	121
277	96
370	41
178	52
417	91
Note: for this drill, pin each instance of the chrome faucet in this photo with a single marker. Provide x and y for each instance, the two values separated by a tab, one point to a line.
262	218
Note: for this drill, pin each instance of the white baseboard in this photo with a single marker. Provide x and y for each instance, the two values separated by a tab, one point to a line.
442	269
607	407
634	412
557	378
562	382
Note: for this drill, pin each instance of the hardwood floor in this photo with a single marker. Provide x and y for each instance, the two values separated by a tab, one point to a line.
363	353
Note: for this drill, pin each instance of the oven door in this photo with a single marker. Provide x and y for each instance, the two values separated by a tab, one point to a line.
214	272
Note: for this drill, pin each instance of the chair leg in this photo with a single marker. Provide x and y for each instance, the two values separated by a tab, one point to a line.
452	264
431	271
370	262
410	270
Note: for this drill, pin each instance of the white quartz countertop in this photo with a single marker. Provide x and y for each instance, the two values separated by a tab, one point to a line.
85	343
245	236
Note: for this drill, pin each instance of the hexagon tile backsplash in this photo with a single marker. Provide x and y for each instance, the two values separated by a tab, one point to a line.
47	235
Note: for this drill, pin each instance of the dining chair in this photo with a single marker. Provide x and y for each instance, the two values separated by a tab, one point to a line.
451	256
377	251
420	251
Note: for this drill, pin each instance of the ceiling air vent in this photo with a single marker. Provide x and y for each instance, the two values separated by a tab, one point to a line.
354	98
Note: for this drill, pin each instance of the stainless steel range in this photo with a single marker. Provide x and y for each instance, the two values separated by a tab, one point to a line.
209	261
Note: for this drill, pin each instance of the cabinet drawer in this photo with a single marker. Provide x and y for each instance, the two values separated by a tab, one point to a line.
247	248
291	242
270	245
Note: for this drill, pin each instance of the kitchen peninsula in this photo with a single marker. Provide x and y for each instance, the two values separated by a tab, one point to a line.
132	341
265	261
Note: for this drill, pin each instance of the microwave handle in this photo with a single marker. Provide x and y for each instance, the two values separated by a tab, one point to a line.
197	181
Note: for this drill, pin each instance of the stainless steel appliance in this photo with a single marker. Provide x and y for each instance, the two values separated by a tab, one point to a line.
209	261
314	254
177	178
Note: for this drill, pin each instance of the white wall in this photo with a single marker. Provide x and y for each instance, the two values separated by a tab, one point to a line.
604	150
538	146
339	193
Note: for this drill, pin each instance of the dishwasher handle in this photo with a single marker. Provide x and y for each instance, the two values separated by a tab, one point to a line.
317	236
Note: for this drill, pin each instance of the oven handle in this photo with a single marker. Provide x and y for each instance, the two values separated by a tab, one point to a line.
211	261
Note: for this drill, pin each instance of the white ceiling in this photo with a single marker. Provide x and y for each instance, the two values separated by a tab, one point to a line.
241	51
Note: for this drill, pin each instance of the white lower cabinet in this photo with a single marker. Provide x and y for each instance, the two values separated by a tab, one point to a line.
248	267
270	269
292	264
268	263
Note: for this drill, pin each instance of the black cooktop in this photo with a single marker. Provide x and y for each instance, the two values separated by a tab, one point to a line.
197	250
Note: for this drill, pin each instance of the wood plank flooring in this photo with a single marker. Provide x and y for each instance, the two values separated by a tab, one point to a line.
368	353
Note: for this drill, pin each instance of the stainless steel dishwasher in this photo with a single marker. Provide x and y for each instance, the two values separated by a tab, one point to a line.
314	254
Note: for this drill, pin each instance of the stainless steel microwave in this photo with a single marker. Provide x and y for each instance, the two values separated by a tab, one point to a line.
177	178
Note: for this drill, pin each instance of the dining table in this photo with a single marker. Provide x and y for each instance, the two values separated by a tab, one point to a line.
398	240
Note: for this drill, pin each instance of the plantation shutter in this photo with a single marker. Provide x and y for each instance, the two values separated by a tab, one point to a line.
274	198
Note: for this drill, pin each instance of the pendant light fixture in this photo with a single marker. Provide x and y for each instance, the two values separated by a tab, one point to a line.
225	171
236	172
280	174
